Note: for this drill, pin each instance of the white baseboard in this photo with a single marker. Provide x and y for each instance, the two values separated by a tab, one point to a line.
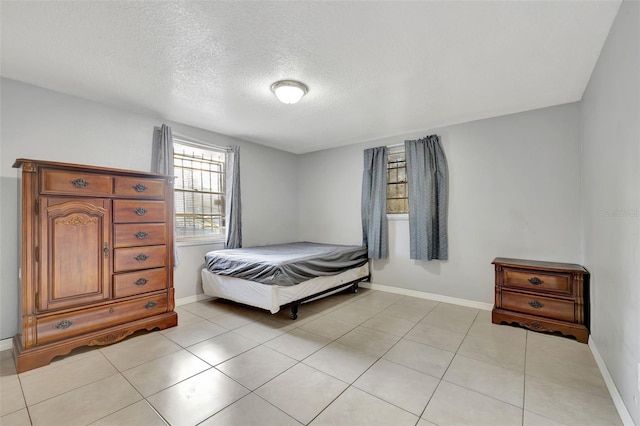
192	299
6	344
613	391
430	296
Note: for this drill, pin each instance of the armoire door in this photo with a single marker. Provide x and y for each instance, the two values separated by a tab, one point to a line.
75	253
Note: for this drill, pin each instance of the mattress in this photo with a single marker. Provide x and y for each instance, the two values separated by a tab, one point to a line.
285	264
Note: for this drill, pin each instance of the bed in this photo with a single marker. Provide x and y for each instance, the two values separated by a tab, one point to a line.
283	275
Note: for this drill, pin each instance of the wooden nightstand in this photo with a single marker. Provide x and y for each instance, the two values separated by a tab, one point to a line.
542	296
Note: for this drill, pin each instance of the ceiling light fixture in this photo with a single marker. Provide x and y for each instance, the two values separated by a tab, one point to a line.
289	91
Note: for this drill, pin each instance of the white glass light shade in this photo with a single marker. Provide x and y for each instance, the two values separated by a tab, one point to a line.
289	91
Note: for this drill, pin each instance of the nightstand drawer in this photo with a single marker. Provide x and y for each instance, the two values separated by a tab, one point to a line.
537	281
548	307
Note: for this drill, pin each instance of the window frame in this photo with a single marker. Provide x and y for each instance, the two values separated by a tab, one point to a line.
393	150
200	239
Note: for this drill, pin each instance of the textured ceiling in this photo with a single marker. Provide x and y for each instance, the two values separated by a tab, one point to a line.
374	69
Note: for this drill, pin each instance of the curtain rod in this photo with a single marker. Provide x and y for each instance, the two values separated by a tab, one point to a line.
202	144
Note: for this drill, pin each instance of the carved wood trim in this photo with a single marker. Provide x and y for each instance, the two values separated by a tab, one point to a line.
29	167
110	338
76	220
29	331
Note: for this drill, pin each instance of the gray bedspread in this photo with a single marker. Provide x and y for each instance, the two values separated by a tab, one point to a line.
285	264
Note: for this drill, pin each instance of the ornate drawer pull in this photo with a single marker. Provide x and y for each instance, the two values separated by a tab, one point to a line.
80	183
63	324
106	250
141	235
140	211
111	310
535	304
535	281
141	282
140	187
150	305
141	257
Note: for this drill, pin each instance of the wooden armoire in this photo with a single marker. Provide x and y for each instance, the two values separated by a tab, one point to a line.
97	257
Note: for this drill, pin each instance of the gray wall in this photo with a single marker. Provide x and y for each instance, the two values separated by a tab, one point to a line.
611	202
560	183
513	191
46	125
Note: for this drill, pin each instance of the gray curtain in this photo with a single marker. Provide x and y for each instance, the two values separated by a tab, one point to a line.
427	191
233	210
374	202
163	163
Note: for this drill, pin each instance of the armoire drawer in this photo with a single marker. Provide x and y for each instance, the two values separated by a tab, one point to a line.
135	258
75	323
138	282
75	183
548	307
135	187
132	211
139	234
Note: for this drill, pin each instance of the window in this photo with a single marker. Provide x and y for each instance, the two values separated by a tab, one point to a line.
397	199
199	191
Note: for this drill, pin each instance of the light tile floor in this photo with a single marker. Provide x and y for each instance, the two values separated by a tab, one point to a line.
370	358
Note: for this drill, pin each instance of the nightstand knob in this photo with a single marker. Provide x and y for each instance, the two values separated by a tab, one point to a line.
141	235
150	305
140	187
535	281
80	183
535	304
63	324
141	281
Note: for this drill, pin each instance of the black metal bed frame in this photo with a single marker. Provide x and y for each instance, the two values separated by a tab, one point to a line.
351	286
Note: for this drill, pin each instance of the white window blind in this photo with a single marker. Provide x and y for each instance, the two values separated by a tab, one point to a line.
199	191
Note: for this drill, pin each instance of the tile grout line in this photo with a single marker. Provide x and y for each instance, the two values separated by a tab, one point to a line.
352	384
130	384
524	375
68	390
252	391
24	398
298	362
346	303
349	385
118	371
449	365
382	356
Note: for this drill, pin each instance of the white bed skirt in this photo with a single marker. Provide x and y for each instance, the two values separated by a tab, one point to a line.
271	297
